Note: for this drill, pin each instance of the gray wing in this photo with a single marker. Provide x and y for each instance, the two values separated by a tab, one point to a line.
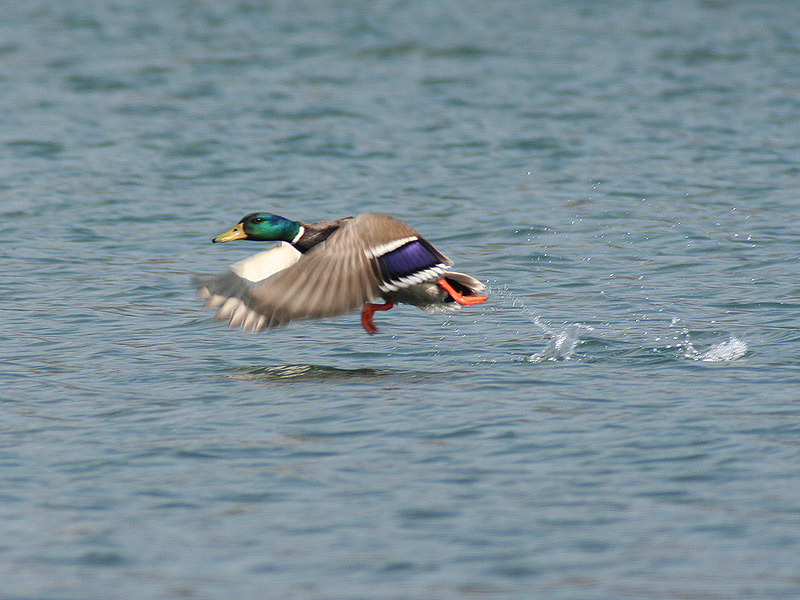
226	293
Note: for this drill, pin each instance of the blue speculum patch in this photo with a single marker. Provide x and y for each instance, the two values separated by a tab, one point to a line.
408	259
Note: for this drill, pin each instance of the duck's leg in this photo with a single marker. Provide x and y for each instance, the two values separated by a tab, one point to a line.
458	296
366	315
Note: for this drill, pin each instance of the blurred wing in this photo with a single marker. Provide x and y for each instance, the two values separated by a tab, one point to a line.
332	278
228	291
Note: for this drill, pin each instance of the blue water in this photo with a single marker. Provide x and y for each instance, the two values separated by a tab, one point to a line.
620	420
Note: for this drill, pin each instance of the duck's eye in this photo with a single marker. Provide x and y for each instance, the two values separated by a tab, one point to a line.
257	220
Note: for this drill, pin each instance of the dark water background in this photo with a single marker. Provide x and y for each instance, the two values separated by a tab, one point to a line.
620	420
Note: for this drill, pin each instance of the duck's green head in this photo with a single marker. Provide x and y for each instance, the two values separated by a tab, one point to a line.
262	227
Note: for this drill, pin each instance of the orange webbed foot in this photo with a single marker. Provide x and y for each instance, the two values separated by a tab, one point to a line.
458	296
366	315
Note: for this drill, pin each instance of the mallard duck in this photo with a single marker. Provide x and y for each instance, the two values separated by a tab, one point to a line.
329	268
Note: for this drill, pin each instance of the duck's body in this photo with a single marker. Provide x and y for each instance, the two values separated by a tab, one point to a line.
329	268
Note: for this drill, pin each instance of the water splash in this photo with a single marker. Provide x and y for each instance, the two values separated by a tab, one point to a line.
561	344
562	340
727	351
731	349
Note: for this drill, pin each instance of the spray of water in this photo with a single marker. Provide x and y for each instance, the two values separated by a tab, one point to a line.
563	340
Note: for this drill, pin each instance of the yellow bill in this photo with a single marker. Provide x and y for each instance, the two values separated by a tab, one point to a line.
236	233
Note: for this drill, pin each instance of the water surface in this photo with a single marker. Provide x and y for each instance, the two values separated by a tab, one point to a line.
620	420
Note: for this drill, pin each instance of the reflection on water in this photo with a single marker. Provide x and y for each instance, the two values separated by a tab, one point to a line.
307	373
